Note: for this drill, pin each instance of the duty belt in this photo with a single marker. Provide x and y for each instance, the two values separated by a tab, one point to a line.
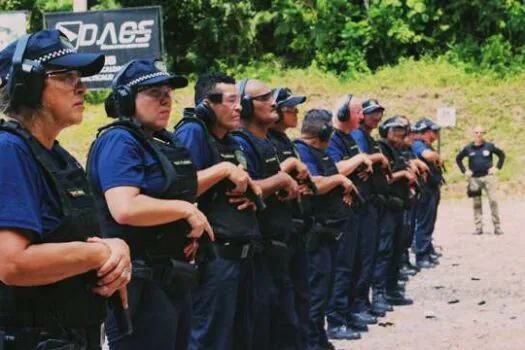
175	276
233	251
229	250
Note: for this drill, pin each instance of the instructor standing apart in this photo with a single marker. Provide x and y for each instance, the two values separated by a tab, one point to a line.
480	174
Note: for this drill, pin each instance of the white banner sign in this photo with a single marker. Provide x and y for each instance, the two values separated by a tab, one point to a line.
12	26
446	117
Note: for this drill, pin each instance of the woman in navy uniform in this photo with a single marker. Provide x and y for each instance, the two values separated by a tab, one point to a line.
146	187
54	273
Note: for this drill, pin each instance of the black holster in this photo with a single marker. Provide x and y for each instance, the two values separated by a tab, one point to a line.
176	277
396	203
329	231
472	194
276	251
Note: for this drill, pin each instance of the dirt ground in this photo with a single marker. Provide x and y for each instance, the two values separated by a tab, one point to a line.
476	293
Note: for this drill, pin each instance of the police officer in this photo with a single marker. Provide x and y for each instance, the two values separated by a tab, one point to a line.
420	169
372	115
286	107
54	273
426	132
222	301
146	186
330	208
390	249
349	306
276	325
480	175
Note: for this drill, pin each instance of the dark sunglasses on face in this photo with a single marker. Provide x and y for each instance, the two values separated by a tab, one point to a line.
263	97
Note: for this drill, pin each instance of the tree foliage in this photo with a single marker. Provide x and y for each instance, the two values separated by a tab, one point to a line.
344	36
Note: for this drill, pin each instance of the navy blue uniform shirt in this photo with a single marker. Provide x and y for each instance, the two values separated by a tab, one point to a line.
480	158
419	146
360	138
26	199
193	137
118	159
336	148
307	158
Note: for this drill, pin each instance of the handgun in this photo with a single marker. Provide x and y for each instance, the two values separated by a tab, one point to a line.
122	316
250	194
308	181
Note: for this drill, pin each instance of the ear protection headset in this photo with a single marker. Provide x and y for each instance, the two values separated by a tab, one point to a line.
246	101
326	130
204	111
123	95
343	113
280	113
26	78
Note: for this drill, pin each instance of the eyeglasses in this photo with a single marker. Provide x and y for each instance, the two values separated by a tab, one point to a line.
157	93
263	97
480	132
67	76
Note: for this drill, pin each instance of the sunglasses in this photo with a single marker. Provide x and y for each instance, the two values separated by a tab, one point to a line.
263	97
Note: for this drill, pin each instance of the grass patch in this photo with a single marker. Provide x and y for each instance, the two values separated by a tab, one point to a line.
413	88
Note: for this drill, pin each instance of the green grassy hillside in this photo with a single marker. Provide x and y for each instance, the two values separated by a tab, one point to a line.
412	88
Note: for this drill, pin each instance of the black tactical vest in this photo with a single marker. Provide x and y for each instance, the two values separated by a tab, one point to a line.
275	221
378	179
165	241
68	303
226	220
435	176
400	189
328	207
286	149
351	150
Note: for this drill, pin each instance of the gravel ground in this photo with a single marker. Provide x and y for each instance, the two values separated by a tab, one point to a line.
481	275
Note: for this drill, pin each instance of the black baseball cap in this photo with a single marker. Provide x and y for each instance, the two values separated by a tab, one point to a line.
425	124
371	106
284	98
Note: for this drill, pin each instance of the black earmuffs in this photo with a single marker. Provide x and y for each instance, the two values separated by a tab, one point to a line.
26	78
246	100
204	111
280	113
327	129
343	113
123	96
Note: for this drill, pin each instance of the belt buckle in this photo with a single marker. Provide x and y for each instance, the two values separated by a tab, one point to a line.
245	250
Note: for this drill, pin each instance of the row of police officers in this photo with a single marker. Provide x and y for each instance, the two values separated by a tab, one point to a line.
220	234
